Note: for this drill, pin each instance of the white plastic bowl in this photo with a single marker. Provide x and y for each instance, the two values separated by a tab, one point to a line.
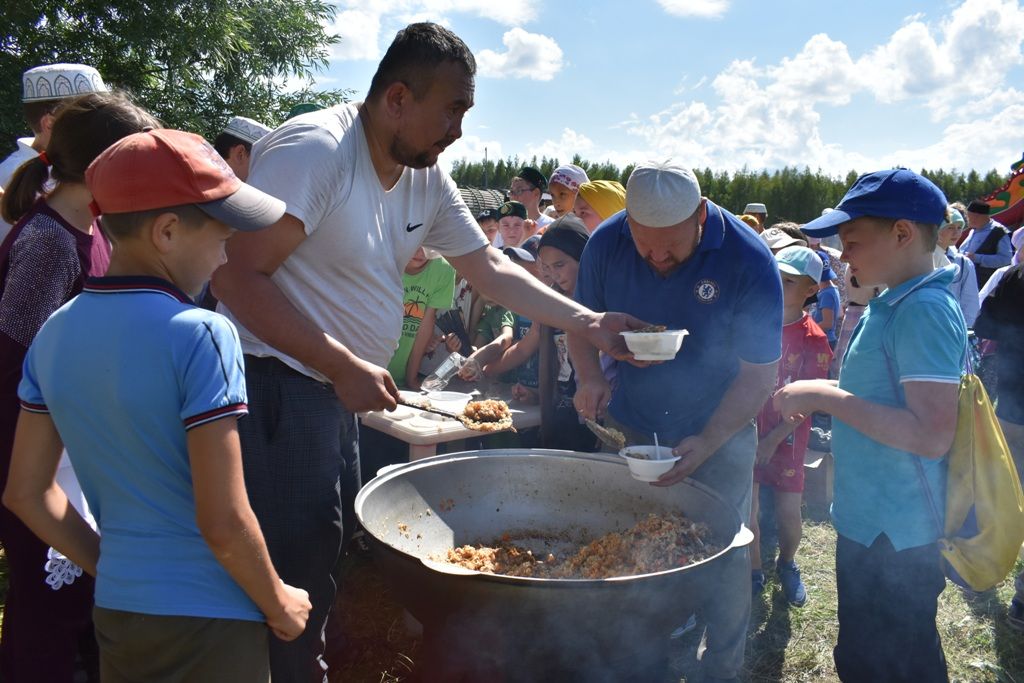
646	469
655	345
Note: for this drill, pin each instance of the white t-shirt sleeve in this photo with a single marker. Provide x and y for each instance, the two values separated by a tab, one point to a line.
455	232
299	165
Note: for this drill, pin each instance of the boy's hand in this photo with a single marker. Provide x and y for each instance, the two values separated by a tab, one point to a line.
471	370
363	386
765	451
591	399
452	343
435	341
290	622
796	401
524	394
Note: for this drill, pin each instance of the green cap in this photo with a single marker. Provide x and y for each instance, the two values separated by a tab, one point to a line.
512	209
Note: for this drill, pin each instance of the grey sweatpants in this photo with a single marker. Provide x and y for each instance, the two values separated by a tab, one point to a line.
729	472
300	451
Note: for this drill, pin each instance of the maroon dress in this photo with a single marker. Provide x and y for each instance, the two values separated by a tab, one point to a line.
44	262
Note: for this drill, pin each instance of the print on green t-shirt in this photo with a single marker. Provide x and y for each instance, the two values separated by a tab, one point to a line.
432	287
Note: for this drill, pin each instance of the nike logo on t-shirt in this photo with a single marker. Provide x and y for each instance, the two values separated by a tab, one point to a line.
410	227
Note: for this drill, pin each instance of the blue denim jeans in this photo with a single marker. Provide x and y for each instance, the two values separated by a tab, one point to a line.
888	601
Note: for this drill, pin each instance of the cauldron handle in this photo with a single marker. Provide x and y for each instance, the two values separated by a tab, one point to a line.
390	468
743	537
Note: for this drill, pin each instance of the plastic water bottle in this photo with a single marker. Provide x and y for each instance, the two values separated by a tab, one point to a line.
445	372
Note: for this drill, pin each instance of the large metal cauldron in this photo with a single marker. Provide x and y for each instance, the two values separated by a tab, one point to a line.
487	627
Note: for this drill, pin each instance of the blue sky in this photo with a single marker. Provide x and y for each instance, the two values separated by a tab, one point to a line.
724	83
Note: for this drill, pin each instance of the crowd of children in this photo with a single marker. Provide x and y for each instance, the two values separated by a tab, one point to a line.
118	226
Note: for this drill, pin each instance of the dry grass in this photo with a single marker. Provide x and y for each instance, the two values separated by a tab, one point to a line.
785	644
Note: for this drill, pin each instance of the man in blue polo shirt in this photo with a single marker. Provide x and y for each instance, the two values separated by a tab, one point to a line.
674	258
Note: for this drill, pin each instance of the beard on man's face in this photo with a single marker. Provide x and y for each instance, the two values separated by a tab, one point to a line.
406	155
663	267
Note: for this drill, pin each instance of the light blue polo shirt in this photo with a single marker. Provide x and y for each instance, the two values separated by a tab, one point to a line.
918	326
728	295
125	369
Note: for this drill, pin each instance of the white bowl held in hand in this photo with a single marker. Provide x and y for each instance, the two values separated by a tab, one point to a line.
647	463
654	345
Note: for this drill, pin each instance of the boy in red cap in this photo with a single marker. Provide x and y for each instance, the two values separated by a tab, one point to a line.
184	585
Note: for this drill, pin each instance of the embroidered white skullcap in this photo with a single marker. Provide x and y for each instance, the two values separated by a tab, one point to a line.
57	81
246	129
755	207
570	175
661	193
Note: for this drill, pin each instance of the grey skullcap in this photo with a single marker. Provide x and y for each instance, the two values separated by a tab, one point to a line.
661	193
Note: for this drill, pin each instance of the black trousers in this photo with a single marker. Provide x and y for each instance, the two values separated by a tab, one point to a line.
887	605
300	451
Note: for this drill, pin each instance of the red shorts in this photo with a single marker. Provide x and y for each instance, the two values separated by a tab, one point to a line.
784	472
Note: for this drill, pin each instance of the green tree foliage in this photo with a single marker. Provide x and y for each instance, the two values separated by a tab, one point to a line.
193	64
791	194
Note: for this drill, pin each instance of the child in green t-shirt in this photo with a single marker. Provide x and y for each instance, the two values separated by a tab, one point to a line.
429	285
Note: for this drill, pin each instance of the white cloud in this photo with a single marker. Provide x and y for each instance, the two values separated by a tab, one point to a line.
527	55
359	31
704	9
972	49
770	116
358	22
911	63
822	71
568	144
472	148
507	13
958	145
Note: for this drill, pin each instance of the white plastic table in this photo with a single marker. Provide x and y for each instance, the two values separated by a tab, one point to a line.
423	430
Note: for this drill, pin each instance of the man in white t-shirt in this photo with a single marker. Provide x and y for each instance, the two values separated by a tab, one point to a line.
317	298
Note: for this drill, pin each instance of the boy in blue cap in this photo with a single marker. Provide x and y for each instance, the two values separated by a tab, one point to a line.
185	589
828	312
894	412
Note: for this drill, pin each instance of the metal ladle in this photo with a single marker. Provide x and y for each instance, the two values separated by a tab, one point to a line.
607	437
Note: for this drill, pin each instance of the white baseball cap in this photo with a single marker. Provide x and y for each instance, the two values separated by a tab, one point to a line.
800	261
661	193
776	238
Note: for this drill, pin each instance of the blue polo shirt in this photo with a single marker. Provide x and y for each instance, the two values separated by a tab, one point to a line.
728	295
125	369
919	328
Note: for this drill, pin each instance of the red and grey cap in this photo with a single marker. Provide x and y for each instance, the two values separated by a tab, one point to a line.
161	168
